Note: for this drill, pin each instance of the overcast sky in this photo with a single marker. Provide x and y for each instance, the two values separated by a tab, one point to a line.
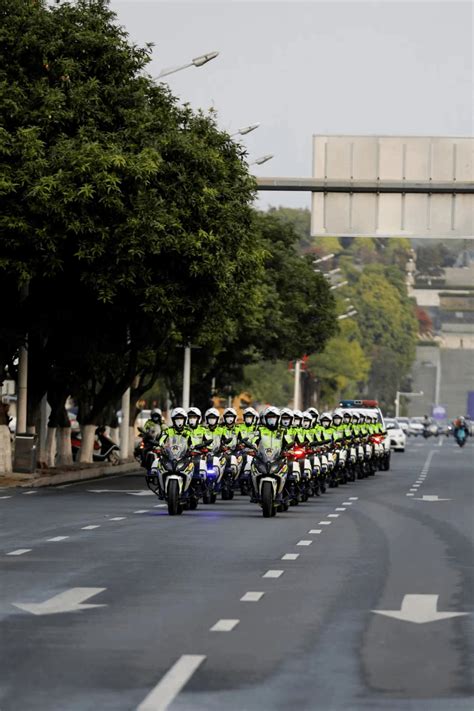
304	68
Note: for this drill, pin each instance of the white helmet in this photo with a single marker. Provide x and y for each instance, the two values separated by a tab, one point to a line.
211	416
325	417
337	416
194	416
307	420
314	413
271	417
250	416
178	417
297	415
286	416
156	415
229	416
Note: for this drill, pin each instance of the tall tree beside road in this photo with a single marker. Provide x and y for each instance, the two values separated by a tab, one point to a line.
128	214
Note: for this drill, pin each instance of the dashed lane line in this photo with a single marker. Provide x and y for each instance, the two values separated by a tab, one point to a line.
90	528
56	539
290	556
353	498
224	626
141	511
118	518
5	497
171	684
333	515
347	503
27	493
315	530
252	597
20	551
339	509
324	523
273	574
304	543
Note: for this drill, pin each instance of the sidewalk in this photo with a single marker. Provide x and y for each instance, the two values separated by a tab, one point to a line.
65	475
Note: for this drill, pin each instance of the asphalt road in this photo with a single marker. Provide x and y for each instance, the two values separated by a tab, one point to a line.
310	640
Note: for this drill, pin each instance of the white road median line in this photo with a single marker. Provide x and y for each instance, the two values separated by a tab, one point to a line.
171	684
290	556
224	626
304	543
273	574
20	551
57	539
90	528
252	597
315	530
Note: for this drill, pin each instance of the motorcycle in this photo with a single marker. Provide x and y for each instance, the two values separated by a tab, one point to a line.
460	435
171	476
144	451
269	473
104	447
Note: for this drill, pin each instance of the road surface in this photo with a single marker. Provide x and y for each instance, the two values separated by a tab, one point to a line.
220	609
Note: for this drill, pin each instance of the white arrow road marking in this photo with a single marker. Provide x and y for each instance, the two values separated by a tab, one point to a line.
224	626
419	609
429	497
67	601
171	684
252	597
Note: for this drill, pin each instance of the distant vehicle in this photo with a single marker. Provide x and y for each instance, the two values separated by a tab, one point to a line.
404	423
371	407
415	427
396	434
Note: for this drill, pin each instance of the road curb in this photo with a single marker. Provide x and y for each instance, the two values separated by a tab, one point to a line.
67	476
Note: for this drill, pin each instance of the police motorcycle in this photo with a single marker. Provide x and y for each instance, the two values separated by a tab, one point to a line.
247	430
328	450
144	451
213	458
269	467
171	475
232	451
461	432
294	454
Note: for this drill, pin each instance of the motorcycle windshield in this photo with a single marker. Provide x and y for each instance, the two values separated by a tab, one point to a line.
176	447
269	448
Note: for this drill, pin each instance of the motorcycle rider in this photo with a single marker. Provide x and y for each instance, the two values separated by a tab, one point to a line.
178	427
197	431
154	425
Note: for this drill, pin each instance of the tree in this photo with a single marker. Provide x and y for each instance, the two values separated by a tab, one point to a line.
115	195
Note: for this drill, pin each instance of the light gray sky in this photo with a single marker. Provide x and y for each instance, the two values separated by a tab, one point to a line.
304	68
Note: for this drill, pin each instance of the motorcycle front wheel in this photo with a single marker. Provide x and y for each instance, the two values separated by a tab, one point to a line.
173	498
267	500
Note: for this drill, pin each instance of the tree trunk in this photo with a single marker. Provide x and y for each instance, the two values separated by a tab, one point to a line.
51	447
87	446
64	446
5	450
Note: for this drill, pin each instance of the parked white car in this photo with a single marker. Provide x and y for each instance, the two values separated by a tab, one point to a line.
396	435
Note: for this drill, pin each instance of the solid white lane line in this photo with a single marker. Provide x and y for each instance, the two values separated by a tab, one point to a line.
252	597
90	528
57	538
347	503
273	574
339	509
141	511
333	515
353	498
324	523
304	543
315	530
290	556
20	551
118	518
171	684
224	626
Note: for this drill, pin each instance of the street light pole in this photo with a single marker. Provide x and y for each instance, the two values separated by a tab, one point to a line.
397	399
262	159
296	394
186	377
246	129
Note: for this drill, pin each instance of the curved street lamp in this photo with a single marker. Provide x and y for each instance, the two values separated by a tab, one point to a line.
196	62
246	129
262	159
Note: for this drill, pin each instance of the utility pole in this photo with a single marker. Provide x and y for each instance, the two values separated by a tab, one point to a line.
187	377
296	395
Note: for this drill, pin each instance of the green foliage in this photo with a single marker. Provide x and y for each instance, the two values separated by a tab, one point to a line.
269	382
